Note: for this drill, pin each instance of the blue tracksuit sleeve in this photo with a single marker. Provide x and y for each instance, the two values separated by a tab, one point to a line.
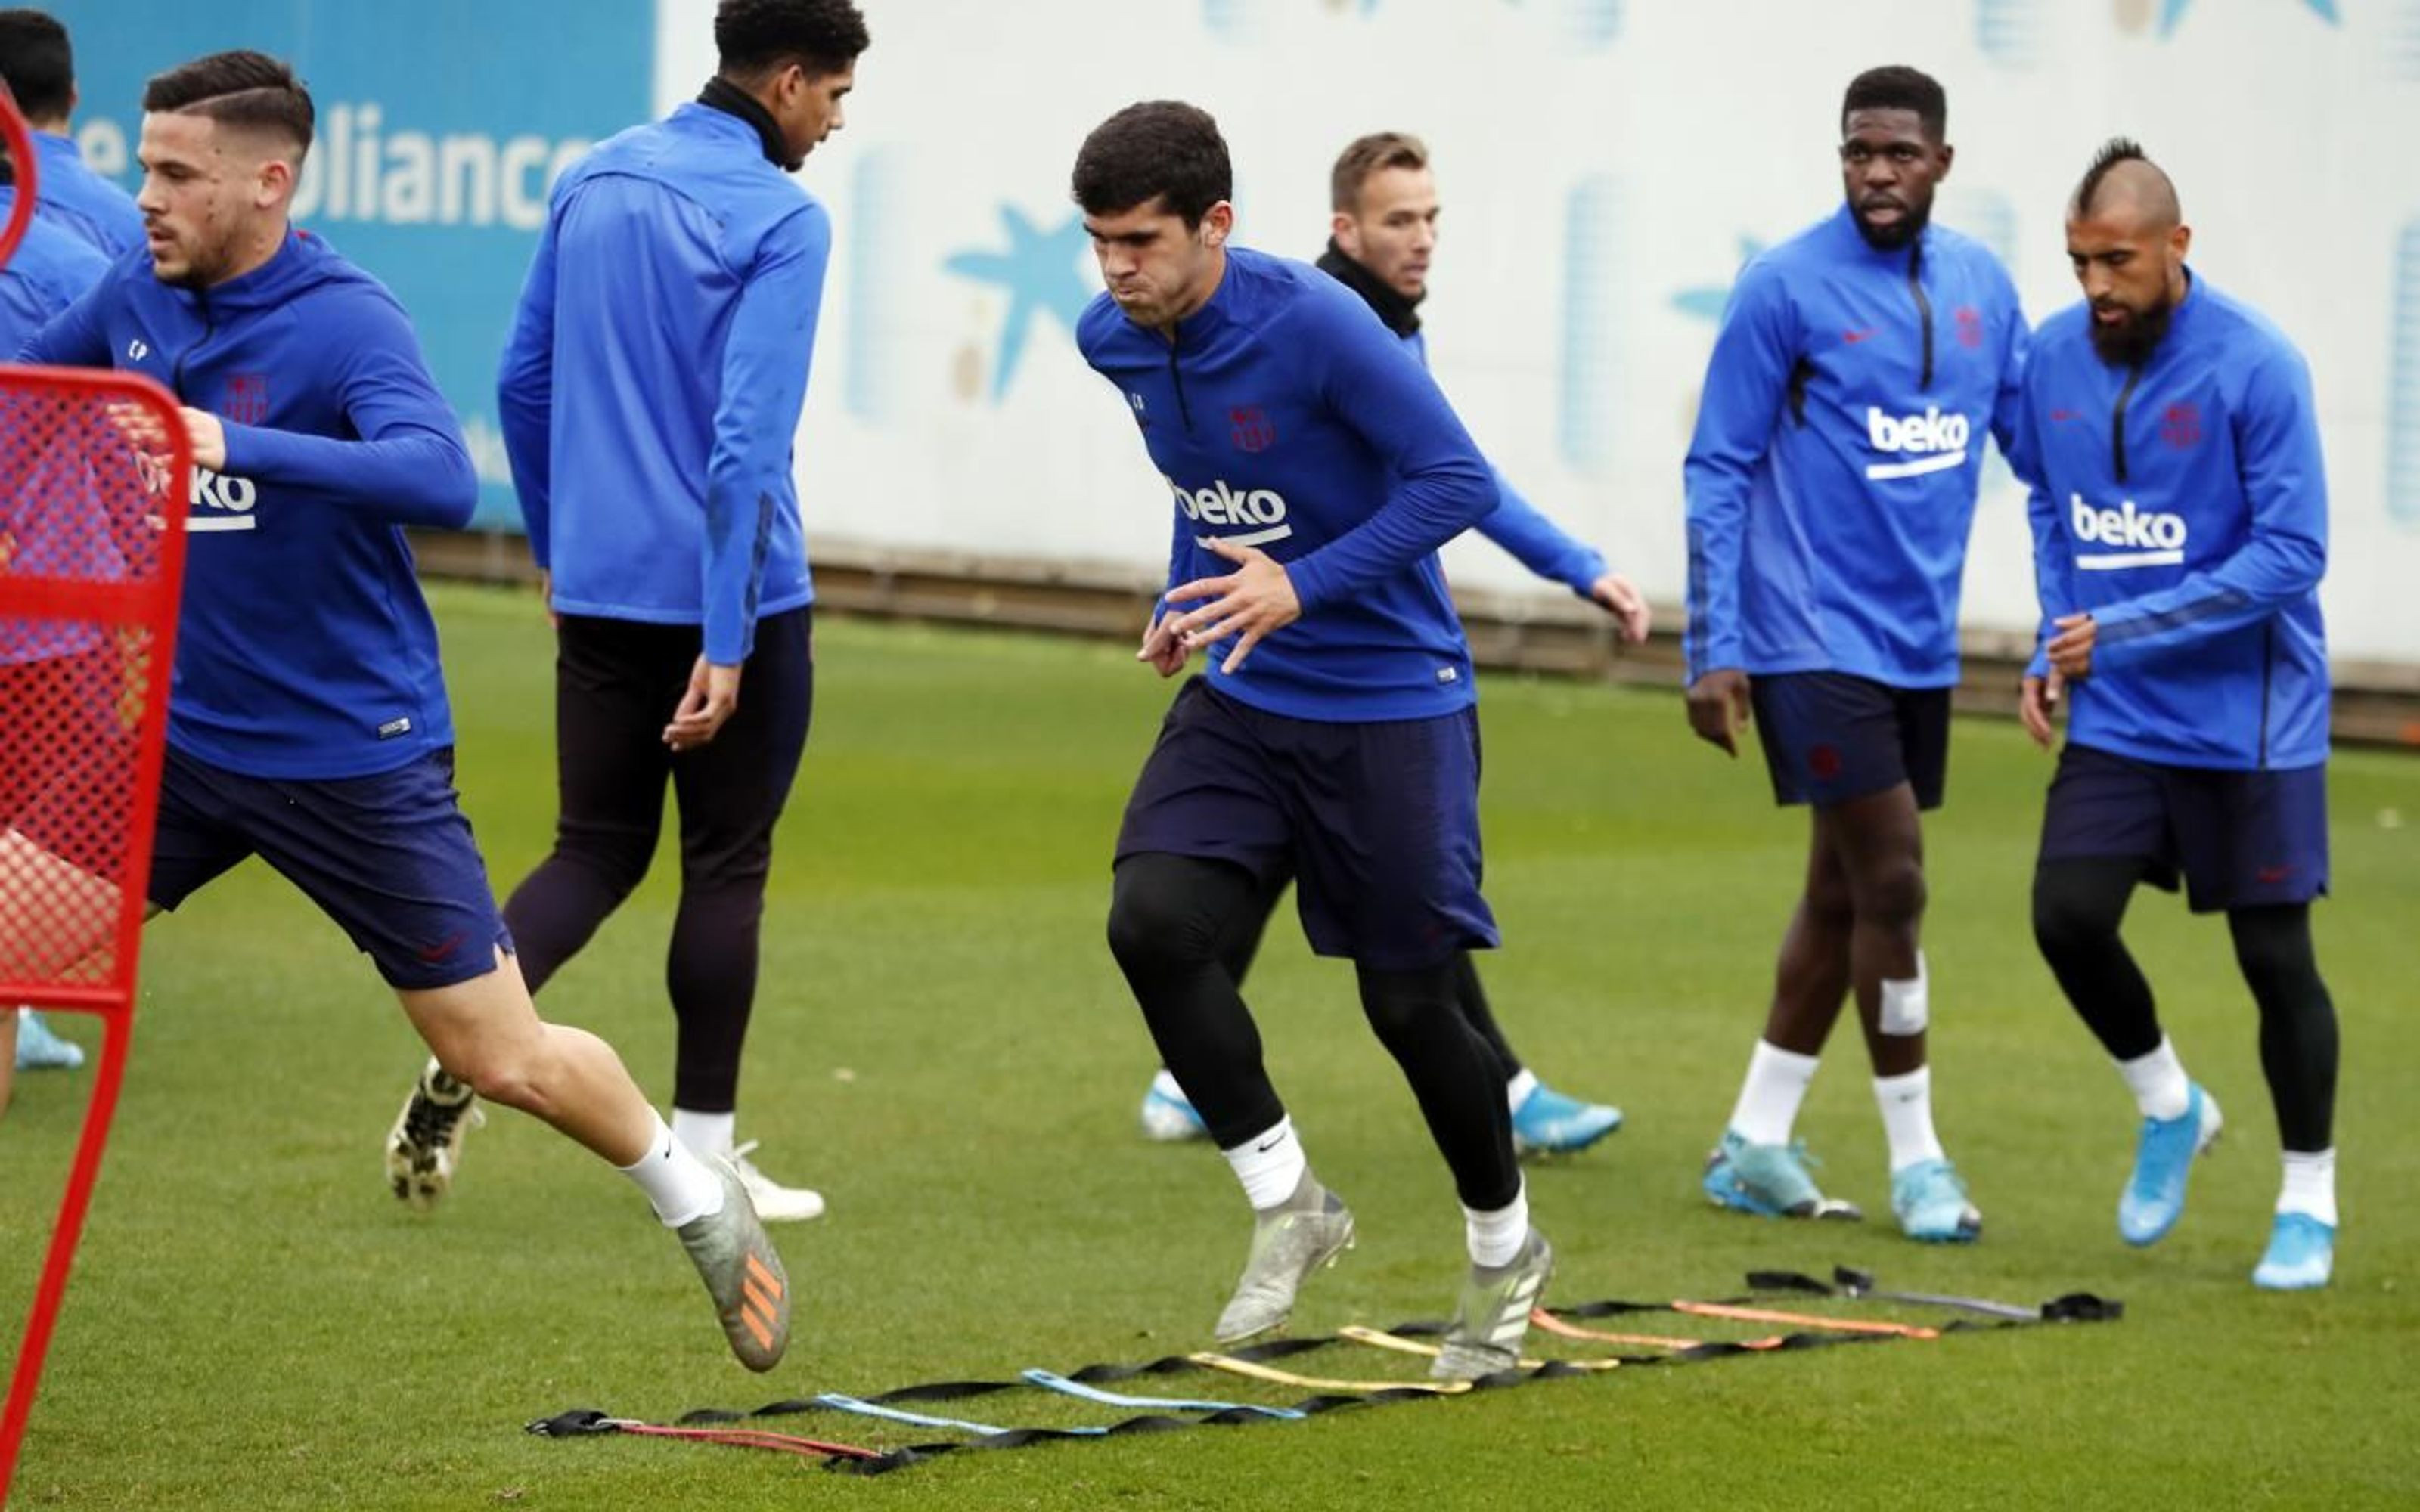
73	338
410	466
2282	559
1441	484
1746	381
764	387
1537	542
525	399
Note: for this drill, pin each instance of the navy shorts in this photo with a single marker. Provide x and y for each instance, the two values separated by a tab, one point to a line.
1833	737
1378	823
388	856
2238	840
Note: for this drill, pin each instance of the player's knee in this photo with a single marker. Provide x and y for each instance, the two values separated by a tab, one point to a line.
2067	921
1406	1007
1158	924
617	857
1892	894
507	1075
2273	948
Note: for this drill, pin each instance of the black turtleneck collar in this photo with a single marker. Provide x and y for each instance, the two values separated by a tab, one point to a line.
722	95
1393	308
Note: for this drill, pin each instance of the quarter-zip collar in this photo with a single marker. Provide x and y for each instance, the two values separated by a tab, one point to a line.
722	95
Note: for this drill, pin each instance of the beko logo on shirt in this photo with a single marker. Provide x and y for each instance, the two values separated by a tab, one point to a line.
2149	537
1931	441
228	499
1220	504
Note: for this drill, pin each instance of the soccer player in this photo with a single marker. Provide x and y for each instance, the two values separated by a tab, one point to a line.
649	396
1831	483
308	722
42	667
1383	233
2180	525
1315	470
37	63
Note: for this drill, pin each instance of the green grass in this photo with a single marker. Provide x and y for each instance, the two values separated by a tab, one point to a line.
944	1048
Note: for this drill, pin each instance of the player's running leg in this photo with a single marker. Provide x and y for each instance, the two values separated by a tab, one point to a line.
2079	903
732	792
1172	924
1456	1078
1758	1167
1880	840
2297	1055
487	1031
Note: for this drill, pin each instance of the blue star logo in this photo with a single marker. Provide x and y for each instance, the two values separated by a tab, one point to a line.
1041	271
1706	302
2173	11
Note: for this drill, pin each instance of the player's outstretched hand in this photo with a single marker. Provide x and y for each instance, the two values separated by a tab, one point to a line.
1718	707
2071	650
2038	707
1620	598
1254	601
1161	649
713	697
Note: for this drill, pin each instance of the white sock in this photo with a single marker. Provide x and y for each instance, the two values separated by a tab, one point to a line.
2158	1082
1768	1101
1270	1164
709	1133
1517	1090
1496	1237
1165	1085
678	1185
1906	1102
2310	1186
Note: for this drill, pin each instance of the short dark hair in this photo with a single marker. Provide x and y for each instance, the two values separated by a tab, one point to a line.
1366	157
1899	87
1157	150
37	62
756	36
240	88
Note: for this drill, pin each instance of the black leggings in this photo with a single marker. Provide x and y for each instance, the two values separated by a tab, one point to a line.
1241	942
1175	924
616	685
2078	905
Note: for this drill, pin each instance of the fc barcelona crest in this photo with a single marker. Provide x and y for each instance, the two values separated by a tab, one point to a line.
1970	327
247	399
1251	429
2180	426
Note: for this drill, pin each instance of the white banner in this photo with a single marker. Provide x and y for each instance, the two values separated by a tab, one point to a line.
1604	167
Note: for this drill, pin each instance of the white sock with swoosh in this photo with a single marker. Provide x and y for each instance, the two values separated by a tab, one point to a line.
1270	1164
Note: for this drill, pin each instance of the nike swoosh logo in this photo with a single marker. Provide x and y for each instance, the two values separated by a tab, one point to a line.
1852	337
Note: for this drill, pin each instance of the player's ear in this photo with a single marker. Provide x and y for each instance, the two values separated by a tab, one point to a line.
1217	221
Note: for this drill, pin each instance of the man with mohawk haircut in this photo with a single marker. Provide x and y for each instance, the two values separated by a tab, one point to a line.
2180	522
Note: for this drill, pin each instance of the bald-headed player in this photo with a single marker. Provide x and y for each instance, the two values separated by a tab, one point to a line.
2180	525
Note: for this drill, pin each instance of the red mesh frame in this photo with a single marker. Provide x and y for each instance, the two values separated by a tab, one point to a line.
95	469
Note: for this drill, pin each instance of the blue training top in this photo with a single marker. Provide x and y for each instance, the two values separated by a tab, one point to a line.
1832	479
1286	416
653	383
2184	504
80	201
51	269
304	649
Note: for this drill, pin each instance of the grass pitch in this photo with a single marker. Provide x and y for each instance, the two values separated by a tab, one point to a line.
944	1046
